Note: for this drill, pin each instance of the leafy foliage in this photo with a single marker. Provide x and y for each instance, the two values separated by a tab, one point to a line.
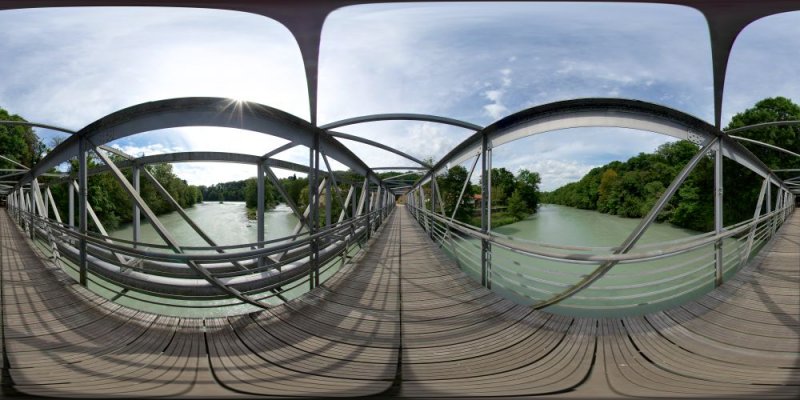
18	142
631	188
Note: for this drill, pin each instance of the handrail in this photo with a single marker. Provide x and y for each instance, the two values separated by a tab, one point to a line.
590	258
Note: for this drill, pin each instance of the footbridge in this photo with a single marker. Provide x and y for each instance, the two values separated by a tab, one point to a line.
401	320
379	290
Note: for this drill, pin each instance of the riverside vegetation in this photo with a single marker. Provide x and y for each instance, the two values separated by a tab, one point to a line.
626	188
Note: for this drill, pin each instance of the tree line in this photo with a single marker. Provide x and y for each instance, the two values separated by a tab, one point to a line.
514	197
632	187
108	199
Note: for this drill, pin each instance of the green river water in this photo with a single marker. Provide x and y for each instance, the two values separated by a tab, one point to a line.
627	289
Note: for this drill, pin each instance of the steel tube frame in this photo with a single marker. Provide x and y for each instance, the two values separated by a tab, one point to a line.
137	216
163	232
202	111
83	203
718	210
756	214
53	201
260	209
634	237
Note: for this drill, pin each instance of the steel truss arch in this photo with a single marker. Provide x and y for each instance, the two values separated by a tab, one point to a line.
599	112
202	111
199	156
381	146
402	117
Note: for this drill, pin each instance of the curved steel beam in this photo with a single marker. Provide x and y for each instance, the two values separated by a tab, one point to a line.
400	168
762	125
199	156
202	111
402	117
378	145
38	125
765	145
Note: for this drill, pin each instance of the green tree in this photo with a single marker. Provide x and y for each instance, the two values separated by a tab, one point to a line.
450	185
19	143
739	204
527	183
517	207
502	185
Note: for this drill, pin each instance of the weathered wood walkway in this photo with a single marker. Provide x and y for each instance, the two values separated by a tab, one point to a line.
402	321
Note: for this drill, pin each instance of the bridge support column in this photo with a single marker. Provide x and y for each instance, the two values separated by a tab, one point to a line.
313	204
46	199
486	211
21	197
260	209
368	207
328	201
82	203
380	199
770	224
354	203
137	217
71	210
718	224
32	215
432	221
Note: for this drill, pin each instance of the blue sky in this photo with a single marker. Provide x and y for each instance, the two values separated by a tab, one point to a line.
476	62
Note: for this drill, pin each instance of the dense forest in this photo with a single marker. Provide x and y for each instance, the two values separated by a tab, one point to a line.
113	205
296	188
108	199
630	188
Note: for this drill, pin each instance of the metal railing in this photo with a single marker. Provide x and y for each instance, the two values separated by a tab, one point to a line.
152	274
493	256
650	277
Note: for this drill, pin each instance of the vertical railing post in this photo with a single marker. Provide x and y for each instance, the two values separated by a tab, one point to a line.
137	216
381	194
46	212
82	203
432	221
486	210
718	225
21	205
778	206
32	209
354	203
423	208
313	210
328	201
786	205
368	206
260	209
71	211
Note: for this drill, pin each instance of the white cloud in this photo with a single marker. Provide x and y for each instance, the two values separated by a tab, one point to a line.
72	66
763	63
147	150
556	173
496	109
565	156
481	63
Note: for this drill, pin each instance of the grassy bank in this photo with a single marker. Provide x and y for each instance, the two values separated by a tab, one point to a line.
498	219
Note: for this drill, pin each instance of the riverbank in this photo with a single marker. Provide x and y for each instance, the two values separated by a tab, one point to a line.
500	218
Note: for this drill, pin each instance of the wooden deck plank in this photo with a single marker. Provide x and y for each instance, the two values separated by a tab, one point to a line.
404	304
